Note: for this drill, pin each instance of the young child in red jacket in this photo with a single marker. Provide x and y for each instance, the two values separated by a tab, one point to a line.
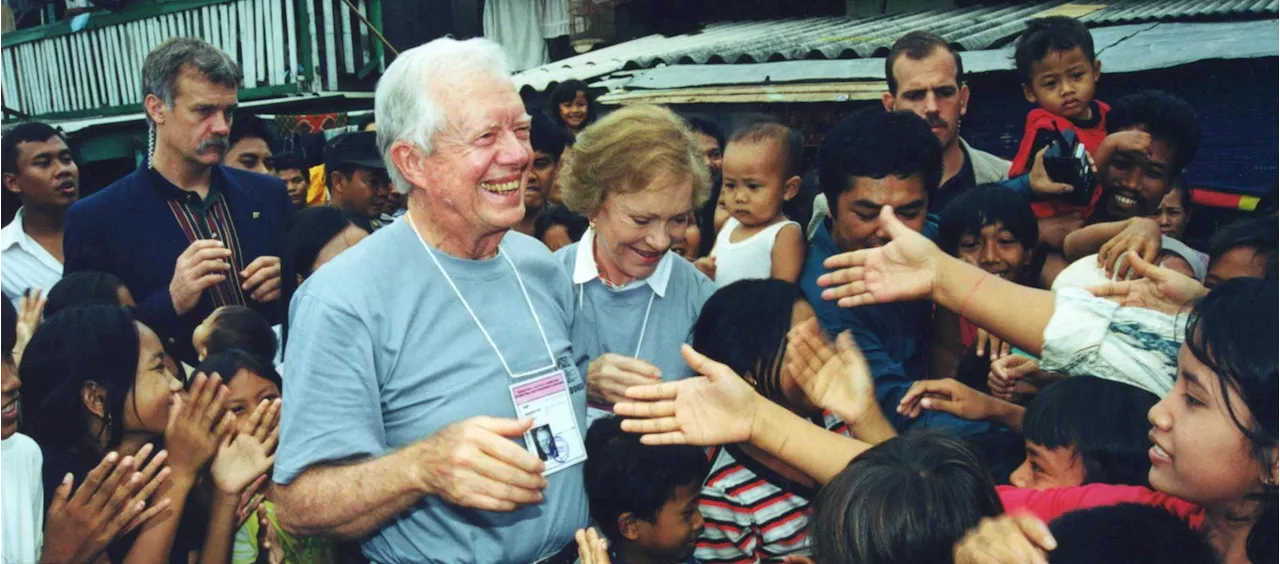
1055	58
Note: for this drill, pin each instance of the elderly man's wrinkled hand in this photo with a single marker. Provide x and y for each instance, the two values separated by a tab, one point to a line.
475	463
609	376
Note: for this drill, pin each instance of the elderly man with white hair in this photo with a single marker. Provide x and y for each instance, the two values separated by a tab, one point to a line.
413	395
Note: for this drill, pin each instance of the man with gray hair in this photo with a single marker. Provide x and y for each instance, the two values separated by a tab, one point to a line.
413	394
220	227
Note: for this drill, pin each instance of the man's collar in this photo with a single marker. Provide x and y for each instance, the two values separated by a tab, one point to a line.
12	234
170	191
585	268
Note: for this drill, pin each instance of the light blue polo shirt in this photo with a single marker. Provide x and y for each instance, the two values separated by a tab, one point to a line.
382	354
610	320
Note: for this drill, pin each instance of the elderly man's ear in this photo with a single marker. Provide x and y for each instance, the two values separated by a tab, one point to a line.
411	162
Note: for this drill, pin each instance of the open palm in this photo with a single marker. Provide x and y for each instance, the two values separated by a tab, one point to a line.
1156	288
244	456
833	378
903	269
714	409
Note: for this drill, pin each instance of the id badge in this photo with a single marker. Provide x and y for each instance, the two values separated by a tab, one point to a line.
554	437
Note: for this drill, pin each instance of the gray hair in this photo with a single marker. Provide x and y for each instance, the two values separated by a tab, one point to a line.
165	62
405	104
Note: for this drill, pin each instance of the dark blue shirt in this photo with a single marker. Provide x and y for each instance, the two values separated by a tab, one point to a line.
895	338
138	226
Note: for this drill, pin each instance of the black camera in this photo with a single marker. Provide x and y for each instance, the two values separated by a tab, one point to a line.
1066	161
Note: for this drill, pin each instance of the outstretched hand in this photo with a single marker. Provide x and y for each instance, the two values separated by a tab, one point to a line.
1154	287
30	312
906	268
836	379
716	408
1014	378
949	396
244	456
1141	235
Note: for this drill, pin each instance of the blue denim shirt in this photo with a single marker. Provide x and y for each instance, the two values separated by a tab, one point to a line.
895	338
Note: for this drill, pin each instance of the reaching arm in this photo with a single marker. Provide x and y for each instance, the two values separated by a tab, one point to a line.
988	301
348	501
911	267
1087	240
1113	239
721	408
817	452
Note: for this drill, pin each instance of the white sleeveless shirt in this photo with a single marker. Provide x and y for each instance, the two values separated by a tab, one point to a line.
750	258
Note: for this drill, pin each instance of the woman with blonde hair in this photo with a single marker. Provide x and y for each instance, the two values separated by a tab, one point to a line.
635	174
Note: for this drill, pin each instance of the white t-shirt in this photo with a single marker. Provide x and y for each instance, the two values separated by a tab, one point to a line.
21	500
748	259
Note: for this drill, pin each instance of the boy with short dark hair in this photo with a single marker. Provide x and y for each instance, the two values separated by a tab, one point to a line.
1054	58
1085	430
643	498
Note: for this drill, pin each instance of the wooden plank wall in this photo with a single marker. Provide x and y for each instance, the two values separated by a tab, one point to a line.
102	68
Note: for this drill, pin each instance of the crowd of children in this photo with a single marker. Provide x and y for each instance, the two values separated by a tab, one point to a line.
1036	371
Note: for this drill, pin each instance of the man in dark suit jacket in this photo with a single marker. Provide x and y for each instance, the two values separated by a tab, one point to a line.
184	234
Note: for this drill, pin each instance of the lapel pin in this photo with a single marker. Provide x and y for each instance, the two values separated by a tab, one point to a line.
256	215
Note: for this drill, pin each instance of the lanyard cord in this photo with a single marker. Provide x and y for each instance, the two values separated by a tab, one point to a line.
528	301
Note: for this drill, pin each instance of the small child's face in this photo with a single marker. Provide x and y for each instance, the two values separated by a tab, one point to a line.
711	152
673	533
1046	468
754	187
556	237
688	248
247	391
995	250
1063	83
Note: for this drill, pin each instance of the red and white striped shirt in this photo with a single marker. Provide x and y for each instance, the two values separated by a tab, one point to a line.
752	513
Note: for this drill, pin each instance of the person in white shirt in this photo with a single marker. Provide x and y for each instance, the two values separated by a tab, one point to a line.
39	168
21	486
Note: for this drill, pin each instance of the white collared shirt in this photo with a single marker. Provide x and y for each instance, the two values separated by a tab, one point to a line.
24	264
585	268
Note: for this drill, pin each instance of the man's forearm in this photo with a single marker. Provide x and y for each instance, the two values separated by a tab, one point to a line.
1088	240
349	501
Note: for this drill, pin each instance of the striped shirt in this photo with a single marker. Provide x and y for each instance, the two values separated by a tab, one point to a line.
753	513
209	218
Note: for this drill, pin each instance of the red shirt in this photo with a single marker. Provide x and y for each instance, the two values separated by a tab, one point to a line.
1090	133
1050	504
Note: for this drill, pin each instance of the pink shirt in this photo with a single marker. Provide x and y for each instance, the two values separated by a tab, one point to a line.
1050	504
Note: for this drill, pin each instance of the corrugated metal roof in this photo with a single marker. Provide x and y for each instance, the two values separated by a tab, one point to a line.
1122	49
1134	11
973	28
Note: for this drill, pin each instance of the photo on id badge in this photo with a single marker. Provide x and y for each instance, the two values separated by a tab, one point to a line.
554	437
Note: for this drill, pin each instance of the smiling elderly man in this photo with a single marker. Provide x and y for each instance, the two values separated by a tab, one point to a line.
412	394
